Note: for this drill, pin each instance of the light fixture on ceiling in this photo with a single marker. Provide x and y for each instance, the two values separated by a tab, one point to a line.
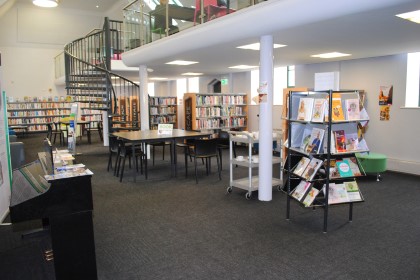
181	62
45	3
243	67
256	46
330	55
192	74
158	79
413	16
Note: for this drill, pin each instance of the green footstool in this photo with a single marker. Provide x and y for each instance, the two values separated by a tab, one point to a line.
372	163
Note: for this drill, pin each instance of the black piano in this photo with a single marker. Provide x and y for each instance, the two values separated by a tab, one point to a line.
66	204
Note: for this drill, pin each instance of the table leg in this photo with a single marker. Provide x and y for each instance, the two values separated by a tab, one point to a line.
133	158
174	156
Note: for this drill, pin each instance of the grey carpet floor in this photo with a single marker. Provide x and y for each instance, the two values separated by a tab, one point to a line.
173	228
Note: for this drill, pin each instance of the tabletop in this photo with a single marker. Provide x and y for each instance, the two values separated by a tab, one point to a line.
144	135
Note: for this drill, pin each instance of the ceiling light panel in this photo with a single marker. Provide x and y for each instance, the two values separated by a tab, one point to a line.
330	55
45	3
181	62
256	46
243	67
413	16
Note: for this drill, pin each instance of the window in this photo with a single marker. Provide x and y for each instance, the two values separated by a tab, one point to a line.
181	88
283	77
193	84
412	91
151	89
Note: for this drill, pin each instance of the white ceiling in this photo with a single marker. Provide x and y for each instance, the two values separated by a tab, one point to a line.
363	28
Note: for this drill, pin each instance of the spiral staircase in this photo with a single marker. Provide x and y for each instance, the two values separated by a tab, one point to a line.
89	78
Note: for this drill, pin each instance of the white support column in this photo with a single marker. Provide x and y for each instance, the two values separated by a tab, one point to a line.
144	98
265	119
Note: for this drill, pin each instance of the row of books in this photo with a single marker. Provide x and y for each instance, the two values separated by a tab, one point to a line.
156	101
317	109
33	120
66	98
217	123
162	110
38	113
212	100
203	112
306	192
46	105
162	119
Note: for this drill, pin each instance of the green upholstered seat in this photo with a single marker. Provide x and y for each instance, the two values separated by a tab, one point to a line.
372	162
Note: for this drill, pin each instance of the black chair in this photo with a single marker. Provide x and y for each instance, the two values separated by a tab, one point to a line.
187	146
206	149
113	150
54	131
160	144
98	128
125	151
224	144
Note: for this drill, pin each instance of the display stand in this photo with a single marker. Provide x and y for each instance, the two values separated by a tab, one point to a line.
251	182
319	168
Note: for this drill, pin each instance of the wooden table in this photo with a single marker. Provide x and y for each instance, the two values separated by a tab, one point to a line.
150	136
79	122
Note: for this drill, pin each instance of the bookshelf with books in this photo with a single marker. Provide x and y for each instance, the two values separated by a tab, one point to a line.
321	164
214	111
162	109
37	112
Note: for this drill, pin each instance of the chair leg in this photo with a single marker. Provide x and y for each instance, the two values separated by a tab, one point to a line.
195	164
220	155
186	160
163	151
122	169
153	155
219	168
109	162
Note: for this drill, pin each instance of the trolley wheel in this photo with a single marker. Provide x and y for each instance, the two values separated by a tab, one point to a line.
248	195
229	190
279	187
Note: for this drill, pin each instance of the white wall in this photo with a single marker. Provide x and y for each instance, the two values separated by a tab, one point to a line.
30	38
395	138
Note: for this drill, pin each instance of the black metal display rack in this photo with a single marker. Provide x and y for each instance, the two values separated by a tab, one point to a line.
331	153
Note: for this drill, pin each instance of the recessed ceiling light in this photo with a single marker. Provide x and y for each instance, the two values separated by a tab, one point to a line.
45	3
97	6
330	55
181	62
413	16
192	74
158	79
256	46
243	67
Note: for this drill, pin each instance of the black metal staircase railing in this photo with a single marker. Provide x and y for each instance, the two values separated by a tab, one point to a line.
90	80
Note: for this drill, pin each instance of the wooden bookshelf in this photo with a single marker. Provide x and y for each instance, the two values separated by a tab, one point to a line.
207	111
162	109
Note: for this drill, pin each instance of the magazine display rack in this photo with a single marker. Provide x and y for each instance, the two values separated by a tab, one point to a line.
324	133
250	183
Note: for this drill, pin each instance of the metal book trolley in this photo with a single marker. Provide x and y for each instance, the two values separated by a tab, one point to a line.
251	182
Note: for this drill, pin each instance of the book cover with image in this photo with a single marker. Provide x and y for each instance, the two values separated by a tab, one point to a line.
353	191
310	197
354	165
305	138
340	141
352	109
312	169
314	146
337	193
305	109
344	169
337	108
319	110
299	192
300	167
